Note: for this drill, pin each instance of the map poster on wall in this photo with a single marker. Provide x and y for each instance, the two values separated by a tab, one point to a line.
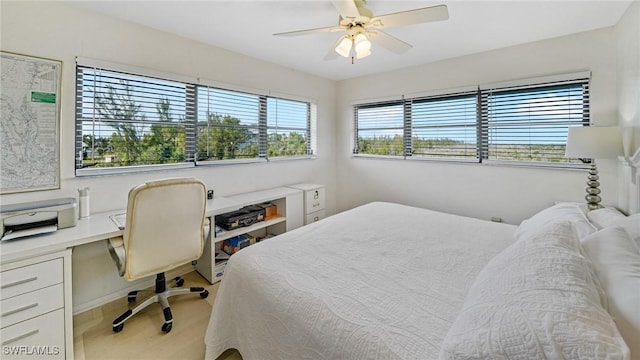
29	123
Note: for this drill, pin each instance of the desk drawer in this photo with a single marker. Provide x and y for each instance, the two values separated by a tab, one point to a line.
314	200
39	338
313	217
32	304
31	277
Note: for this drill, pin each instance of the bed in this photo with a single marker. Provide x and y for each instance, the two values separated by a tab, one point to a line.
389	281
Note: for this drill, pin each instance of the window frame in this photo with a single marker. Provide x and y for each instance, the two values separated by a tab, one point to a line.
531	89
306	130
582	77
191	120
253	126
387	127
450	97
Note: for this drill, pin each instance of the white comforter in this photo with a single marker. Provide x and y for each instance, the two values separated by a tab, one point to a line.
381	281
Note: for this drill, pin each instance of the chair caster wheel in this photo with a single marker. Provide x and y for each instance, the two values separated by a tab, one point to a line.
179	281
132	296
204	294
118	328
166	327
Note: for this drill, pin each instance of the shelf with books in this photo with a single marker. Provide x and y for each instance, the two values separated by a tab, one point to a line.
288	203
227	234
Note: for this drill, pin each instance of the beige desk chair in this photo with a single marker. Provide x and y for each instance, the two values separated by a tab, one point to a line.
165	228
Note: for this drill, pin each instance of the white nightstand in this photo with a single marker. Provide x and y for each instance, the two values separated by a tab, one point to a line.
314	201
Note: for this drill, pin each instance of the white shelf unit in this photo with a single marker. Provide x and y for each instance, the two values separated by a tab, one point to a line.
314	202
289	203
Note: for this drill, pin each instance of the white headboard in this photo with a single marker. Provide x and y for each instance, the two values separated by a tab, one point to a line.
629	189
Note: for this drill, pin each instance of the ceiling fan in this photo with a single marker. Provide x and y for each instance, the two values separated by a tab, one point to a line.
362	28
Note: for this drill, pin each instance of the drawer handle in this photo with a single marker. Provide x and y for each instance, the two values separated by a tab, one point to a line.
4	286
23	308
30	333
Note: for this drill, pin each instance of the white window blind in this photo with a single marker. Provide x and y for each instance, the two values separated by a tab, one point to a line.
445	127
517	122
129	120
288	127
530	124
228	124
379	129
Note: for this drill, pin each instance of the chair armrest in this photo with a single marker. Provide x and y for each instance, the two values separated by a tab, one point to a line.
116	250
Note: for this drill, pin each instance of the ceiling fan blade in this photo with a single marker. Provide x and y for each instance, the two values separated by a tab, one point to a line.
417	16
387	41
346	8
309	31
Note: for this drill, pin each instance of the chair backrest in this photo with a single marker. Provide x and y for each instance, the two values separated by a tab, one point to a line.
165	226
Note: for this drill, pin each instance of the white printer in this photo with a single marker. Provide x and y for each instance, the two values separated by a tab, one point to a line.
37	217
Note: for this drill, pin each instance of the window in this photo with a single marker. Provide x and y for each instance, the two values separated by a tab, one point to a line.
288	128
531	124
444	127
228	124
126	120
515	123
380	129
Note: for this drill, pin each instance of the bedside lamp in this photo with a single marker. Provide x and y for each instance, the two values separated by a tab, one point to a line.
593	142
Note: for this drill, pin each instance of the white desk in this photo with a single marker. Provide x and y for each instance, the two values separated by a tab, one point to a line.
37	270
97	227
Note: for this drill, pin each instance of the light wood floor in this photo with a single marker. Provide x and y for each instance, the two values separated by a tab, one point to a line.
141	337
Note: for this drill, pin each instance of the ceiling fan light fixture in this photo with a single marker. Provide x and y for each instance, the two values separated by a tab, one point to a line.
362	53
362	43
360	24
344	46
362	46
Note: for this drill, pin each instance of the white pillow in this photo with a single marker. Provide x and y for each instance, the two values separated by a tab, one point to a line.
581	205
617	262
535	300
632	225
560	212
605	217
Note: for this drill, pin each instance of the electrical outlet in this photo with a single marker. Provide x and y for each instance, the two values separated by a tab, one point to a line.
209	194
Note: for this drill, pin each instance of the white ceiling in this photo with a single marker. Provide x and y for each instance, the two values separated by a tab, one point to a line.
246	27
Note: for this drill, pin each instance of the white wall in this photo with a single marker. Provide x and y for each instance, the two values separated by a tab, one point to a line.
483	191
59	31
628	75
628	81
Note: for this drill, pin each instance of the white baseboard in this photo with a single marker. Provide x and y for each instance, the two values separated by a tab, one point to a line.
135	285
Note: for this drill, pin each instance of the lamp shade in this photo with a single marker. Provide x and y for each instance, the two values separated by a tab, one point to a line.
594	142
